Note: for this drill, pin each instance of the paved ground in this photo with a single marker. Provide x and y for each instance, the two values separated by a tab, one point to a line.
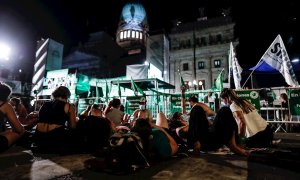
281	162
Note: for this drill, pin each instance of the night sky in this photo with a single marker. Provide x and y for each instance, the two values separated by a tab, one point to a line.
22	23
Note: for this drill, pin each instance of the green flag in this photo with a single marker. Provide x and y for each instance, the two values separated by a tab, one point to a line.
135	88
219	81
181	81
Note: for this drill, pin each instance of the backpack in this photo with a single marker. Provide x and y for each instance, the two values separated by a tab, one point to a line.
125	153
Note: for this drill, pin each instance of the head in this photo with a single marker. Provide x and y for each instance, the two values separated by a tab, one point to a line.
193	100
14	101
228	95
61	92
142	103
116	103
5	91
95	111
176	116
283	97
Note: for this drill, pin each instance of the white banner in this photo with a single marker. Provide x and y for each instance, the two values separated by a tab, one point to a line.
234	68
276	56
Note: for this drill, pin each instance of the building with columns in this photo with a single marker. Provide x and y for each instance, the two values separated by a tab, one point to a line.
200	50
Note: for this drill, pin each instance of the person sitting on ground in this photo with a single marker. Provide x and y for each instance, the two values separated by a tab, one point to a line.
20	109
8	136
93	129
113	112
56	121
178	127
251	125
27	120
142	112
223	131
161	144
198	123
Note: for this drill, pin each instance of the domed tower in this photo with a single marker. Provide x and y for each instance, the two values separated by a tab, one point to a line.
133	27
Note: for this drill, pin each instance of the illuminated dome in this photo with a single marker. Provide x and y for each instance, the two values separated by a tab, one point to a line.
133	16
133	25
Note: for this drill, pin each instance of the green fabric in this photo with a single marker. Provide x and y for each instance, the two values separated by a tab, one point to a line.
219	81
83	84
161	144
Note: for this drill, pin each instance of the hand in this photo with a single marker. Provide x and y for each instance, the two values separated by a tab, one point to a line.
197	147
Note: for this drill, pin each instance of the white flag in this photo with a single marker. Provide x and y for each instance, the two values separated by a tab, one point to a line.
276	56
234	68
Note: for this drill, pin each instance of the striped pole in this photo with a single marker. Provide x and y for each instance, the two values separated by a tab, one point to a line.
39	66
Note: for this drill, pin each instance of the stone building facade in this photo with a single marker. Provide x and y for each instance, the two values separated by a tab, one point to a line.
199	51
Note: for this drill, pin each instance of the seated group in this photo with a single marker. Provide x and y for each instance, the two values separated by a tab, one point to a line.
57	129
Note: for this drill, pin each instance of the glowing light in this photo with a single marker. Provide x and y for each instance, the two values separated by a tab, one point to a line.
4	51
195	82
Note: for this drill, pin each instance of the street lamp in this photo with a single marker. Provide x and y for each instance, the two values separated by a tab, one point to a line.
295	60
201	85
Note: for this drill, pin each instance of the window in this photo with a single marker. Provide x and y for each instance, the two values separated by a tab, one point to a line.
137	34
217	63
185	67
201	65
125	34
133	34
121	35
141	36
203	41
219	38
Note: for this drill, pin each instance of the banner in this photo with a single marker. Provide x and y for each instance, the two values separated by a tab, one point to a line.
250	95
132	103
294	100
176	102
276	57
234	68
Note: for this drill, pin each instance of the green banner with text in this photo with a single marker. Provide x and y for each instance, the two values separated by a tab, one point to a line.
294	100
250	95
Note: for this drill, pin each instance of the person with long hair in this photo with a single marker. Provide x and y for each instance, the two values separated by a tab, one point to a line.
56	120
251	125
8	136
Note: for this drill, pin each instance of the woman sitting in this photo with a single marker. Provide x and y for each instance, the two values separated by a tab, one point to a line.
56	119
8	136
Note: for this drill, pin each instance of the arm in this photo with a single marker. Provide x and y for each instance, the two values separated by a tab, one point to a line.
72	116
235	148
173	144
107	109
208	111
13	120
238	115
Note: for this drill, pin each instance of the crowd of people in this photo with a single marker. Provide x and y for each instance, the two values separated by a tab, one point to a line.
58	129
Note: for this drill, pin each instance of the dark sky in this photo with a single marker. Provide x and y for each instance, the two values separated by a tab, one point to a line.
22	23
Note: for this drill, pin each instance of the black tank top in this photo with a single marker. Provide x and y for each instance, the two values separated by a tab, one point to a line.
53	113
